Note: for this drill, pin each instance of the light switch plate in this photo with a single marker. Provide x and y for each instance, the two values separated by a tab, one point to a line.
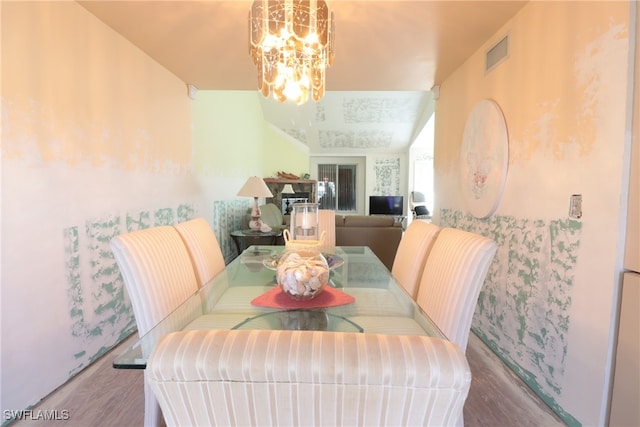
575	206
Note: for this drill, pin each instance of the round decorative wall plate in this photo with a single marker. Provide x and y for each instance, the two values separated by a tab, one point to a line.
484	159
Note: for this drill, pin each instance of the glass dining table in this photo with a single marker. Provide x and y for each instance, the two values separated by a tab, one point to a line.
362	296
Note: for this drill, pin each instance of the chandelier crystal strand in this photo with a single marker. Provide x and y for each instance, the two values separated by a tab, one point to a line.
291	44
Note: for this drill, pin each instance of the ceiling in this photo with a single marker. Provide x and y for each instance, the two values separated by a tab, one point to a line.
389	54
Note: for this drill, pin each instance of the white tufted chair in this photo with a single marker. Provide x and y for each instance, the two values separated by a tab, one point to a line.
203	247
453	276
412	254
158	275
307	378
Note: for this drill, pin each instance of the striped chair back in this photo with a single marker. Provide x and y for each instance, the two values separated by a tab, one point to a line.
157	272
452	278
412	254
327	223
159	276
203	247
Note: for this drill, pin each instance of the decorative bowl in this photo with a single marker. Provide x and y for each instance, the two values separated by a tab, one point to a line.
302	274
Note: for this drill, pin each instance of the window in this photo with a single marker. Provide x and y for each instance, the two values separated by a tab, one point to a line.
337	187
421	156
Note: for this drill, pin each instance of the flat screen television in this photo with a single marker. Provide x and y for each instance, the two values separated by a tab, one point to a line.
386	205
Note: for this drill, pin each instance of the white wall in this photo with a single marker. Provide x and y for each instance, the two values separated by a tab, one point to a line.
86	152
97	140
546	307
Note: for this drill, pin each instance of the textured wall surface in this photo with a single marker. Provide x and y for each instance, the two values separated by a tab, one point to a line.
99	306
523	309
549	304
98	139
386	177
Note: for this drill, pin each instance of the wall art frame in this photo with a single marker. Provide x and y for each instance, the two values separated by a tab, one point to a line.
484	159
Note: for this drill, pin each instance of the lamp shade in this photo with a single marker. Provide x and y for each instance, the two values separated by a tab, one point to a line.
288	189
255	187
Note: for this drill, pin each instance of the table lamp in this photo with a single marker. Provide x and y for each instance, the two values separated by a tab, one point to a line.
288	189
255	187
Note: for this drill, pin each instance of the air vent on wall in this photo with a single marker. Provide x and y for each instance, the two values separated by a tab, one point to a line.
498	53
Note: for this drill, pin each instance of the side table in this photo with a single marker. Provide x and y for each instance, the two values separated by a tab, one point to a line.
245	238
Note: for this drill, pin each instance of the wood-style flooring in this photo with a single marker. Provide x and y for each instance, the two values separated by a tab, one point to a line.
103	396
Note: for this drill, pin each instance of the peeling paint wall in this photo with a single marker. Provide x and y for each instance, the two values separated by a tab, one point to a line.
98	305
86	153
227	217
547	304
98	140
523	310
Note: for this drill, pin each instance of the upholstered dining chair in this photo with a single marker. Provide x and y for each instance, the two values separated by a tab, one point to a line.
203	247
453	275
307	378
159	276
412	253
327	223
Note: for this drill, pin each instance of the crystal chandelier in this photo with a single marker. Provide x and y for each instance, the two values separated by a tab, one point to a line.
291	43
